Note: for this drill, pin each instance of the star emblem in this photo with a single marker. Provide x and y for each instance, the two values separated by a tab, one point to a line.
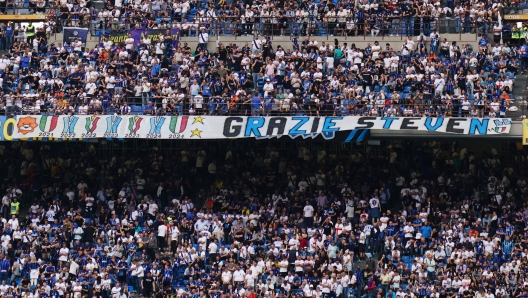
198	119
196	132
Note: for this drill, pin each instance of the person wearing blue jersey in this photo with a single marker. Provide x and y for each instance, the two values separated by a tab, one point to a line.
5	268
483	42
295	42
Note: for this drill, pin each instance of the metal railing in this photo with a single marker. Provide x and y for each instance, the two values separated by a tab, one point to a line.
311	25
407	105
270	26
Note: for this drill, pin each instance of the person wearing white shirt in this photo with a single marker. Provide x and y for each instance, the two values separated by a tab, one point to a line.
250	279
239	275
107	44
256	45
138	272
203	39
226	277
129	42
77	45
268	88
90	88
308	212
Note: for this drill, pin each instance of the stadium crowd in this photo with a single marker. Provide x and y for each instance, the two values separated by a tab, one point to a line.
425	74
228	220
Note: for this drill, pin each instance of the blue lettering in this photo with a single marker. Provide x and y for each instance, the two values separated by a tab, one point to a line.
253	125
388	122
362	136
430	127
295	131
329	124
478	124
503	122
328	135
351	135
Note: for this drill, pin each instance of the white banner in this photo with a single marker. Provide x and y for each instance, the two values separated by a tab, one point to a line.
220	127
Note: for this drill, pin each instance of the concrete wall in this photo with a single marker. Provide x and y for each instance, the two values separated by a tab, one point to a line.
285	41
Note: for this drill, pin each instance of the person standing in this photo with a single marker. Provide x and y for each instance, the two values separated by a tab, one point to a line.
203	39
8	35
308	213
148	285
30	33
15	206
162	234
523	52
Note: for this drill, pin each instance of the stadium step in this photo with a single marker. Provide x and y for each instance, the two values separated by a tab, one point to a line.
520	93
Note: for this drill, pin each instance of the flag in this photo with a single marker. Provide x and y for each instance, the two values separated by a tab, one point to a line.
48	124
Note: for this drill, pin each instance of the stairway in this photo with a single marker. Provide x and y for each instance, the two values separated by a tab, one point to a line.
520	92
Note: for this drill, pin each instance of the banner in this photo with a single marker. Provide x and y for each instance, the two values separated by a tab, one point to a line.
138	35
525	132
224	127
71	33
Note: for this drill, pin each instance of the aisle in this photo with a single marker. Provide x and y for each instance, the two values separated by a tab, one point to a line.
519	98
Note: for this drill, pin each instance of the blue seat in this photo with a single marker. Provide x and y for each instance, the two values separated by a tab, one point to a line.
130	289
407	89
406	259
376	88
136	110
322	32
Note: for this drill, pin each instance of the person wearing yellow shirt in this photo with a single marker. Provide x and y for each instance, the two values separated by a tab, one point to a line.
15	206
385	280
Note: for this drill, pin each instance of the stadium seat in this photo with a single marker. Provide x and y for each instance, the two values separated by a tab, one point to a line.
136	110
